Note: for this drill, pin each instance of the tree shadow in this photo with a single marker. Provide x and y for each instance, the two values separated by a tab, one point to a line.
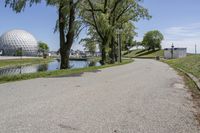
141	51
147	52
76	74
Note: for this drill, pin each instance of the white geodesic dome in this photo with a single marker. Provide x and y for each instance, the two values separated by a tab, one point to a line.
14	41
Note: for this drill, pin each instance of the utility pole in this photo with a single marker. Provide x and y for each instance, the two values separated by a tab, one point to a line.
120	48
195	49
119	31
172	51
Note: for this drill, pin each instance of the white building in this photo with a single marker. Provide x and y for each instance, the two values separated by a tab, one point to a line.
14	42
174	53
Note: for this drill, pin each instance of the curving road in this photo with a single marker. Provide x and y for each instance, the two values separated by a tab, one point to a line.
142	97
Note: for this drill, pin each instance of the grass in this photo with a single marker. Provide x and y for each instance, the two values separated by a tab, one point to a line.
145	54
95	59
22	62
56	73
190	64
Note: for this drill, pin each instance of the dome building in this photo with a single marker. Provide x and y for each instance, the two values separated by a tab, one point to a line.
18	41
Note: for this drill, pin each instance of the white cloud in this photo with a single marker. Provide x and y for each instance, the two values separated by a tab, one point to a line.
183	36
192	30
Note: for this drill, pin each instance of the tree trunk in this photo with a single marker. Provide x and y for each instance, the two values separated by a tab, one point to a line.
65	46
103	52
112	52
71	31
64	62
63	53
103	56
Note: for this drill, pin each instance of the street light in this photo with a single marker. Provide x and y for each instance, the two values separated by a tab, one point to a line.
119	32
172	51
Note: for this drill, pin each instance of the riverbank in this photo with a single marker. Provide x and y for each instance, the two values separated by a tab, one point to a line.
14	62
55	73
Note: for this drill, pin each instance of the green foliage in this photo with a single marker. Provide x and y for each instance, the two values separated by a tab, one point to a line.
19	5
89	45
43	47
152	40
105	17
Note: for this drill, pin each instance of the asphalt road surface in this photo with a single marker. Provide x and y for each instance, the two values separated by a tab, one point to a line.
142	97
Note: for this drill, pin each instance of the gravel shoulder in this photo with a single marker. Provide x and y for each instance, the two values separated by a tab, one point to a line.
145	96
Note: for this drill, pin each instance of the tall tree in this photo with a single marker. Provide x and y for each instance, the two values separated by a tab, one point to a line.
106	16
67	24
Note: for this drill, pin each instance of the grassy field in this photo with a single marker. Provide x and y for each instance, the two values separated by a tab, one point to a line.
145	54
56	73
21	62
190	64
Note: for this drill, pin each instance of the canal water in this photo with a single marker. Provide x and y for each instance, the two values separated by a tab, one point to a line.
54	65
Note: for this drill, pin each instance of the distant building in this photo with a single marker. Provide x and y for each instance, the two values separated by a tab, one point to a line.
77	53
18	42
173	53
136	48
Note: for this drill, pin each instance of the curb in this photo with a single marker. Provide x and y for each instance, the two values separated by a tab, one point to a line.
196	80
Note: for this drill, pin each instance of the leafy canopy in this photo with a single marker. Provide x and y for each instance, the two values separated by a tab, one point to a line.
153	39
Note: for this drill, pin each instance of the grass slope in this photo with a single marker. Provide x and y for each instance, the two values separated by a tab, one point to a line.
55	73
145	54
190	64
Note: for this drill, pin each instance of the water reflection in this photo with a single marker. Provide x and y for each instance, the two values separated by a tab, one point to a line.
55	65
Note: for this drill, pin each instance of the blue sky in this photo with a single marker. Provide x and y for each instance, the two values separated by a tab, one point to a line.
178	20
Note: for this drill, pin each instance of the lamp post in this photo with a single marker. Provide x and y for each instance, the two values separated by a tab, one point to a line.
172	51
195	49
20	51
119	31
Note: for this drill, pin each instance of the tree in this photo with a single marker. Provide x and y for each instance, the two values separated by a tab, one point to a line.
67	23
43	48
152	40
89	45
106	16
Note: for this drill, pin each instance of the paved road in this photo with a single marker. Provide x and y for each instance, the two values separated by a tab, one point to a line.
142	97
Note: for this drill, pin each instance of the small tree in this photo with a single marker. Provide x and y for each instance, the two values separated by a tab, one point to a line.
43	48
89	45
19	52
152	40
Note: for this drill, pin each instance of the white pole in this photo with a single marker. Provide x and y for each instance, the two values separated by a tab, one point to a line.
195	49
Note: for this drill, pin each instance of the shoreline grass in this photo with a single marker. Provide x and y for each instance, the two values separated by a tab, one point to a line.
56	73
23	62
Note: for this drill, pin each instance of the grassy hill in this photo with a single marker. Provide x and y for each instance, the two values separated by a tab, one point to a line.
190	64
144	54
